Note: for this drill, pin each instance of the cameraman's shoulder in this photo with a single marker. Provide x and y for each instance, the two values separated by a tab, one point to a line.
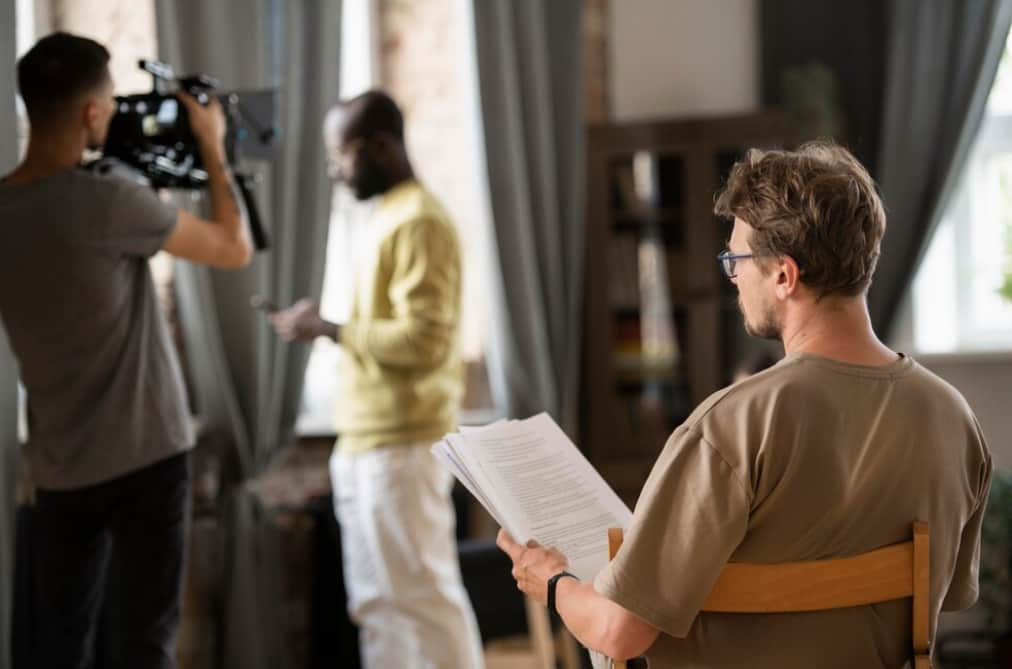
121	190
100	185
129	210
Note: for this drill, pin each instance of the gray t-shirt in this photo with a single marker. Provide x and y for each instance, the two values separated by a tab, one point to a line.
105	391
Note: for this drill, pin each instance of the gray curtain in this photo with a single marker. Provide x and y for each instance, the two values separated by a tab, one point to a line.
247	383
8	370
530	78
847	37
941	61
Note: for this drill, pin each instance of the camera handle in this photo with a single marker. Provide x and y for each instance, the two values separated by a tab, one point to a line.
264	135
260	239
244	181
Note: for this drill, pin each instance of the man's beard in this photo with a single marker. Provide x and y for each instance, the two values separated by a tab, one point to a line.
369	182
768	327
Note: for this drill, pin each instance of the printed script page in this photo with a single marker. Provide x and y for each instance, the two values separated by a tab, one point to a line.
540	487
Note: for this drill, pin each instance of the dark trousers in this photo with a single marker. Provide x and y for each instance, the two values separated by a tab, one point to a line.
141	518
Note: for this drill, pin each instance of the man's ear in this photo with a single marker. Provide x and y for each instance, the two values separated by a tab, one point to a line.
90	113
788	276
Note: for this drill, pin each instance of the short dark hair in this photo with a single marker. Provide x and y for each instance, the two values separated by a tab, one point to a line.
58	69
372	113
818	205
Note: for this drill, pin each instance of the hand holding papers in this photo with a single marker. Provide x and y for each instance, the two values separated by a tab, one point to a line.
537	485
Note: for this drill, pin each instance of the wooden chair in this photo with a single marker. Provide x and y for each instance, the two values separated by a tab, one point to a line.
549	649
881	575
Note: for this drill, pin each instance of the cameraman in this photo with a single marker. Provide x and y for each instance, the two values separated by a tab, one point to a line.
109	429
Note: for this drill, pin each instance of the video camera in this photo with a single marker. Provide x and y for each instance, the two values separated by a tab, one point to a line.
150	137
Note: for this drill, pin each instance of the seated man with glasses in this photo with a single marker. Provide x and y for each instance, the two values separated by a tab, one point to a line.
831	452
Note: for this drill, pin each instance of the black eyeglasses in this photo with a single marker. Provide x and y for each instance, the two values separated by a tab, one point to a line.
729	260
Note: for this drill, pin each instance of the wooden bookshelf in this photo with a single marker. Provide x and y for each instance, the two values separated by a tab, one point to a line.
661	326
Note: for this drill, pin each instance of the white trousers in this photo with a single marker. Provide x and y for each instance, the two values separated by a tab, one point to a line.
401	570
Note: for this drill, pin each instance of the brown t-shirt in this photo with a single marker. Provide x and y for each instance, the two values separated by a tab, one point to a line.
808	460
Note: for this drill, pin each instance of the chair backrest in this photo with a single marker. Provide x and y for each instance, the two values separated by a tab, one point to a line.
894	572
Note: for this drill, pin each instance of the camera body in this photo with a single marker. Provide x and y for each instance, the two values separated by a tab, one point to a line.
150	132
150	141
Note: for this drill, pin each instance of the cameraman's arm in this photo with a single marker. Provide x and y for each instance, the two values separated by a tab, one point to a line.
223	241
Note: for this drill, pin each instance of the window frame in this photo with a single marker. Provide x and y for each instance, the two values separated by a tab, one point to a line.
969	336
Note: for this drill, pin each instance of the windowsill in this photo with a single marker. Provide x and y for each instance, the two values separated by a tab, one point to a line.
314	432
468	417
479	417
963	358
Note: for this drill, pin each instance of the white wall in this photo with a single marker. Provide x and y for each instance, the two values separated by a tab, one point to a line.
986	382
683	57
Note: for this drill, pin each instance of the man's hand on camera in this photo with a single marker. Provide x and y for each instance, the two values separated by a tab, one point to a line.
206	121
302	322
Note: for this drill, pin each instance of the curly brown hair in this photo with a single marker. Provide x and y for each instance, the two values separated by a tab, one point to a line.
818	205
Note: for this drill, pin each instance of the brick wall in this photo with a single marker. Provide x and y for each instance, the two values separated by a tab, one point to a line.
422	65
125	27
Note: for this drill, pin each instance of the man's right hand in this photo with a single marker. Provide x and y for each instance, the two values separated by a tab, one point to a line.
206	121
302	322
224	240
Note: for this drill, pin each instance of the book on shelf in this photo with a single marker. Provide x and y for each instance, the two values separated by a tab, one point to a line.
537	485
623	254
623	272
625	185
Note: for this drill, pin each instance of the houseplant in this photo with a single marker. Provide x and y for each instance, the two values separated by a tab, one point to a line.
996	554
992	645
996	565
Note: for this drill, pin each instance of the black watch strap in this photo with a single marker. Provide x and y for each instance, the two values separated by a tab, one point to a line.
552	582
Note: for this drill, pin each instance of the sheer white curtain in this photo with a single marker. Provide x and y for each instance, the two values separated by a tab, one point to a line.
348	227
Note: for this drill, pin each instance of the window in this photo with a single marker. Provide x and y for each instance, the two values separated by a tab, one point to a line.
423	67
25	36
428	66
957	298
29	26
348	225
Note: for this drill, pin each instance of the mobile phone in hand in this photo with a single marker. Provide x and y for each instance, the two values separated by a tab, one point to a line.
263	304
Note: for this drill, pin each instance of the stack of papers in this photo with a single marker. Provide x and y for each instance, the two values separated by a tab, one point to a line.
537	485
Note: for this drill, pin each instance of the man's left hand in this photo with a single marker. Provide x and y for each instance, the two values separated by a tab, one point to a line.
533	565
302	322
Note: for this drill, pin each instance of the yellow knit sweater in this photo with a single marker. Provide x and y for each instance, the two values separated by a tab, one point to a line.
400	376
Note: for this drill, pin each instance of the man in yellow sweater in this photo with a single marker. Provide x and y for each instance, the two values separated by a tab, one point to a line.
401	385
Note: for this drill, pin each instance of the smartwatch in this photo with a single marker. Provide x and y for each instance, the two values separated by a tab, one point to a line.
552	582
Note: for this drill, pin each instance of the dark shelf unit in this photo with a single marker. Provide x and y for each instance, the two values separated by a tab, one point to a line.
660	322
